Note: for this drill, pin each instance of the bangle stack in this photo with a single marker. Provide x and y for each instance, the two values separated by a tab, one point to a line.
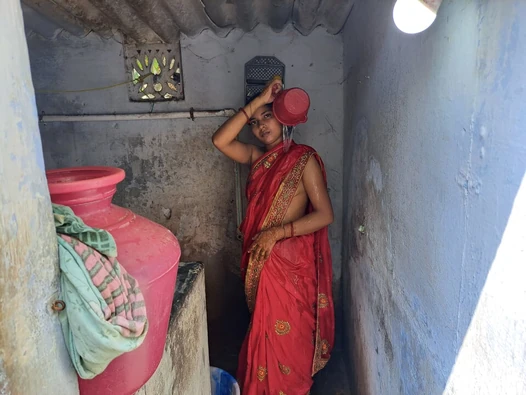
291	233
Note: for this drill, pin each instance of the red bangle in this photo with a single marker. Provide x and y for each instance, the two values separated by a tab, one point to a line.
292	229
244	112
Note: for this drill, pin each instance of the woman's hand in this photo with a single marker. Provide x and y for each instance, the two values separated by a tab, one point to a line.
264	242
270	92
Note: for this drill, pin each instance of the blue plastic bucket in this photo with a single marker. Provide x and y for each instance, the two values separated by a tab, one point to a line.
223	383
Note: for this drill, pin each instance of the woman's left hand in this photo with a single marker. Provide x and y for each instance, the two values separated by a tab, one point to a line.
263	244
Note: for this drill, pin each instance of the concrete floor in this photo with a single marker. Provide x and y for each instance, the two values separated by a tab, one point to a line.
333	380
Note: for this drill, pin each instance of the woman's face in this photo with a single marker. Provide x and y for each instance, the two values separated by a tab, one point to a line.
265	127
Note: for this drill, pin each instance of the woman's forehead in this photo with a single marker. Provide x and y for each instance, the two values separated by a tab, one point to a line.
262	110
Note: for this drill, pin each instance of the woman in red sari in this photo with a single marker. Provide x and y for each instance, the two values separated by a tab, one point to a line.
286	263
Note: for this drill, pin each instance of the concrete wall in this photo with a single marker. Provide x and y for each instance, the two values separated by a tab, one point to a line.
185	368
33	358
435	288
174	175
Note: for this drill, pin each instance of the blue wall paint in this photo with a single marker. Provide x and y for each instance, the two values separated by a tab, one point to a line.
438	118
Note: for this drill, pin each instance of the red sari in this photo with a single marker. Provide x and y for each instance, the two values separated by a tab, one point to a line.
291	330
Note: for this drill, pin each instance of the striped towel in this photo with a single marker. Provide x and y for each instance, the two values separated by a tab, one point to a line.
66	222
105	314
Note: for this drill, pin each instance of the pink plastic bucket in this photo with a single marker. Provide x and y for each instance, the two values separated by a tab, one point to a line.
291	106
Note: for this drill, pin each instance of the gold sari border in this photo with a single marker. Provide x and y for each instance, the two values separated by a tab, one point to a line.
274	217
257	164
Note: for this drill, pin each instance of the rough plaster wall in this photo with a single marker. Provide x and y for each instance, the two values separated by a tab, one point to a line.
185	368
33	359
435	286
171	165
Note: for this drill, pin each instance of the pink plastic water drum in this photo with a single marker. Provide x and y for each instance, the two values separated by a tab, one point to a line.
149	252
291	106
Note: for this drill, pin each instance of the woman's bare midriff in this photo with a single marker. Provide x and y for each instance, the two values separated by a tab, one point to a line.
298	206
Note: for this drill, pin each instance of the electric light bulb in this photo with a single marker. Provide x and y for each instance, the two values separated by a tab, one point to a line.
415	16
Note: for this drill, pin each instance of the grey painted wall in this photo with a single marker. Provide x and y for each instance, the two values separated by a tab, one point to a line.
435	287
33	357
172	165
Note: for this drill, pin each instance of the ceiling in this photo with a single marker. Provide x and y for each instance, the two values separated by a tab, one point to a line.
153	21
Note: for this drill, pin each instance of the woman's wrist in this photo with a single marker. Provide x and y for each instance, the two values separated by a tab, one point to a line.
249	109
278	233
243	111
256	103
283	232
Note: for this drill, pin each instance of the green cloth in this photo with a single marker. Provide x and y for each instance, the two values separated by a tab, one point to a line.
67	223
93	326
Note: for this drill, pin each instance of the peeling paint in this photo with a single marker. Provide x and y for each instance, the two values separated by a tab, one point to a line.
33	358
374	174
